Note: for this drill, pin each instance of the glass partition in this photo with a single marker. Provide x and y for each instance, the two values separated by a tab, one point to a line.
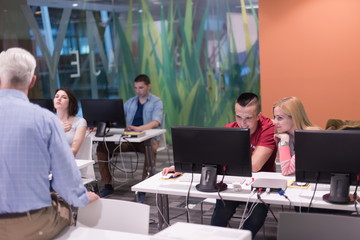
200	55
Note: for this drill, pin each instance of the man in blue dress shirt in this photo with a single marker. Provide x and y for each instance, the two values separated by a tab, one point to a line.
143	111
33	145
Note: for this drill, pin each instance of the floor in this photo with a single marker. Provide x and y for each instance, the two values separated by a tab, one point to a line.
178	211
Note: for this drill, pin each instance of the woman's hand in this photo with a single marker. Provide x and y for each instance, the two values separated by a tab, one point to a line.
282	137
67	125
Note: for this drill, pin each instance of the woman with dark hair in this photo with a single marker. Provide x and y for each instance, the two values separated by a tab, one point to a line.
66	106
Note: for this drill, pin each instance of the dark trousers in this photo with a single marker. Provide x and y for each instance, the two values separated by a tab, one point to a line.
102	155
222	215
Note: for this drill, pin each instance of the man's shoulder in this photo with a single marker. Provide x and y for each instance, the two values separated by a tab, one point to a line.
79	120
132	98
265	127
266	122
154	97
232	125
42	111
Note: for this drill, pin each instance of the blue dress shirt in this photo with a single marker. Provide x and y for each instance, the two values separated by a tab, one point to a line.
33	144
153	109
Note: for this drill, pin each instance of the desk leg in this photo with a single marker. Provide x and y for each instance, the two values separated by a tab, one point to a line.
149	157
163	211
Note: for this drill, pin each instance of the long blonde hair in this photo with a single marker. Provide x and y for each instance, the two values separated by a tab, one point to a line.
294	108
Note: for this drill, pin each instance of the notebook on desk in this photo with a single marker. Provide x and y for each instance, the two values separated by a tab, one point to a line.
134	134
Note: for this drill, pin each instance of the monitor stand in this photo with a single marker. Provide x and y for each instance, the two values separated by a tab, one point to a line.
208	180
101	130
339	189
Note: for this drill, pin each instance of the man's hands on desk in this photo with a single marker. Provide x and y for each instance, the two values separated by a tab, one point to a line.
134	128
171	169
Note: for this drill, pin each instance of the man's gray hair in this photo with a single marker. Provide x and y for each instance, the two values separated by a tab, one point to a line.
17	67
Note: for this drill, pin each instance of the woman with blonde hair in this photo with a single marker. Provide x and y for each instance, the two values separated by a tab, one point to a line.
289	115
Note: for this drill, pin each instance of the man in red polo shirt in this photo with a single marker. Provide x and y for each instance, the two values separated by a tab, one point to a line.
263	147
248	115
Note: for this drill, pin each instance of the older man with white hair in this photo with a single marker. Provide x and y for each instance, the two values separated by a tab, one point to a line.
33	144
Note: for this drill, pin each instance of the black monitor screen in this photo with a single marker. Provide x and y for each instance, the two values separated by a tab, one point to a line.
328	156
44	103
109	111
226	149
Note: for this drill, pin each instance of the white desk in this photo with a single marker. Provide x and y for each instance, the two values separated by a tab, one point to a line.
149	134
95	233
86	169
190	231
298	196
116	137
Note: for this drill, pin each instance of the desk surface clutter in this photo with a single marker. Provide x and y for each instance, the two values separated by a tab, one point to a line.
298	196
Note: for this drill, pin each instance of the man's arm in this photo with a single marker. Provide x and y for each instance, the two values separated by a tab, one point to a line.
259	157
150	125
66	180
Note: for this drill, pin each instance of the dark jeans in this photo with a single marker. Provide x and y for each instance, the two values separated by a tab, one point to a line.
222	215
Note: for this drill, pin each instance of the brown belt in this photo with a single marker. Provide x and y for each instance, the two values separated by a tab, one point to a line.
18	215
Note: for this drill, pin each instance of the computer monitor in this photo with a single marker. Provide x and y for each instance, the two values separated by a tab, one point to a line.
44	103
211	151
104	112
328	156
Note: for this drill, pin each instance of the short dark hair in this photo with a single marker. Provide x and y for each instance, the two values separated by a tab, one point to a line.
73	102
143	78
249	99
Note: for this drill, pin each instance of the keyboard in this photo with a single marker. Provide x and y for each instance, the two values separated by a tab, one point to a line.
116	131
228	179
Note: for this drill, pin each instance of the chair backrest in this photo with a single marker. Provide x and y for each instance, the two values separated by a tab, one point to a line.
296	226
85	150
116	215
339	124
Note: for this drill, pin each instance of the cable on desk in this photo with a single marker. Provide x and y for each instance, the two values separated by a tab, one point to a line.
178	215
114	162
187	197
355	193
219	188
113	159
312	198
267	205
251	209
282	193
159	211
245	209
